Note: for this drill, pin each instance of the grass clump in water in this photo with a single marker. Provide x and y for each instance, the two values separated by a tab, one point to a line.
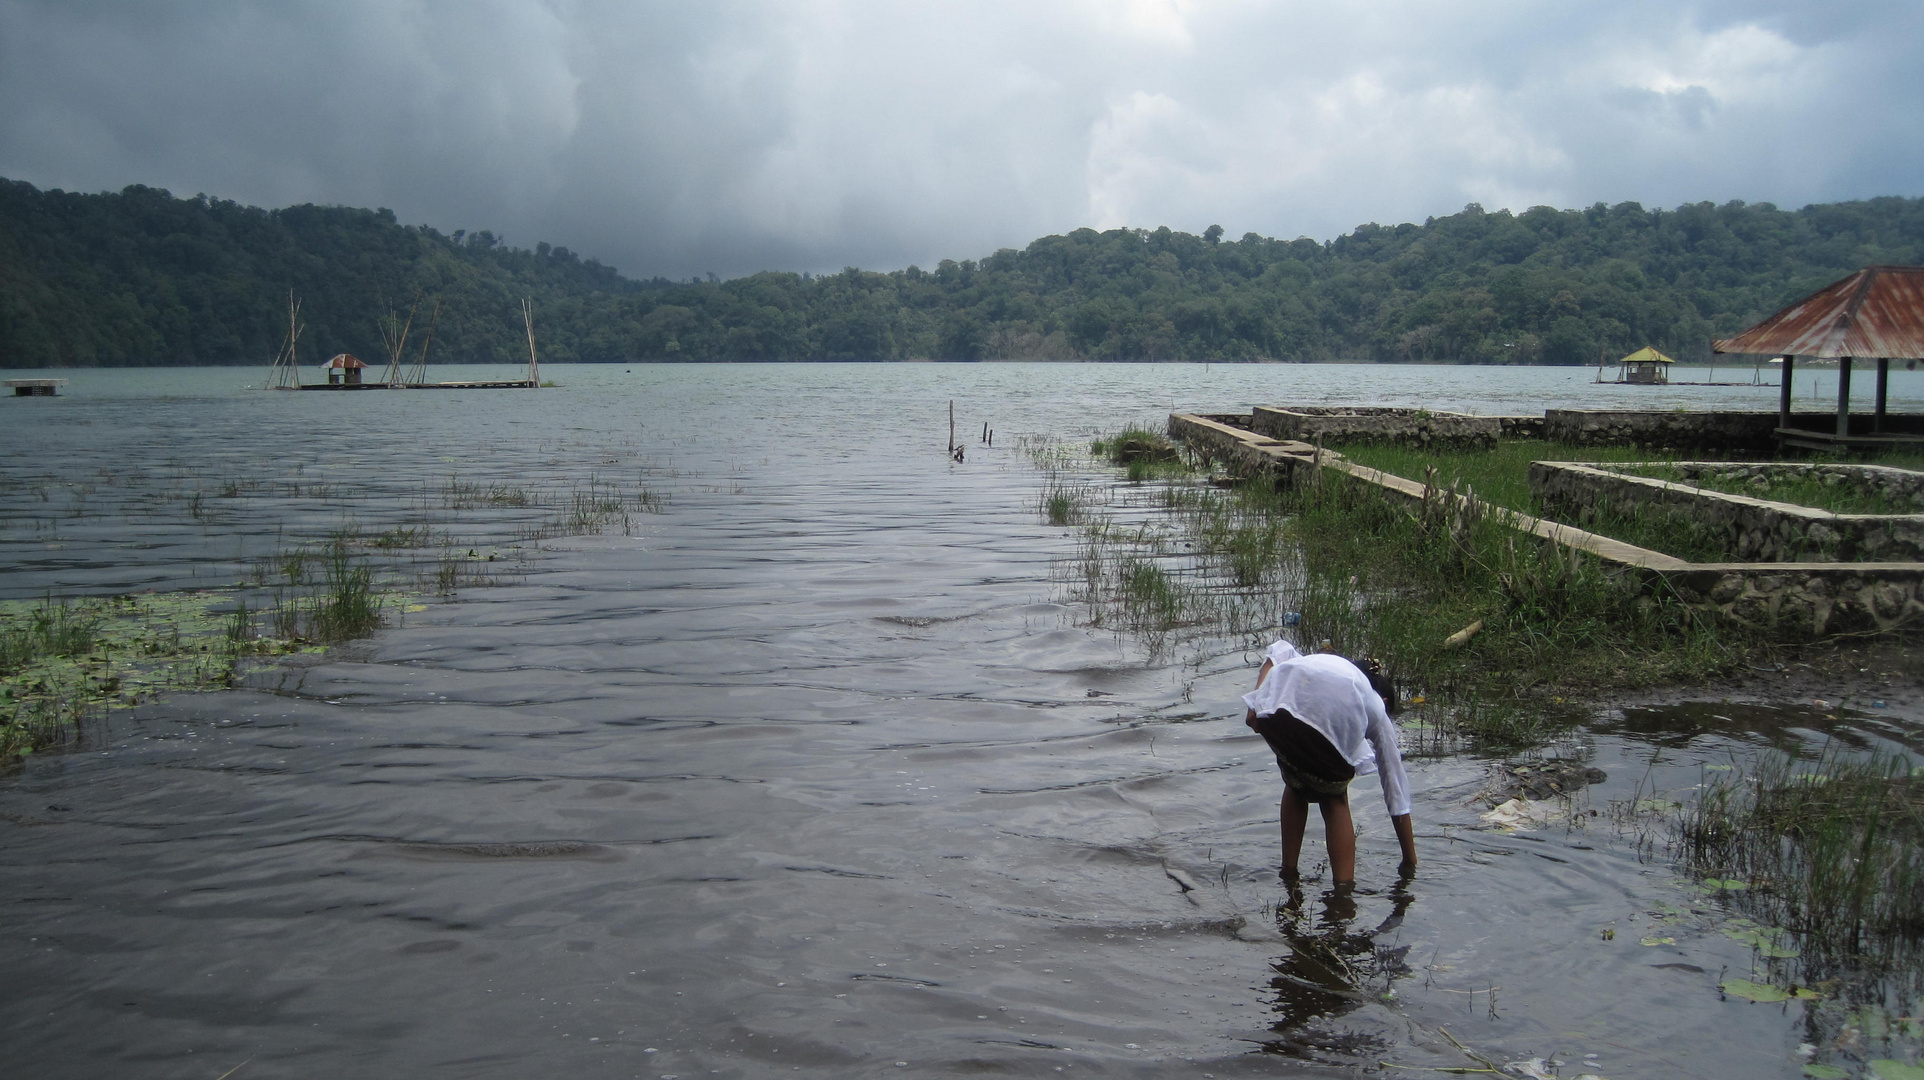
1063	502
1831	849
53	629
69	662
347	605
1822	863
1135	443
1143	454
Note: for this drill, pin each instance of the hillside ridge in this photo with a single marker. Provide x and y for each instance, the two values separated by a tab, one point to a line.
140	277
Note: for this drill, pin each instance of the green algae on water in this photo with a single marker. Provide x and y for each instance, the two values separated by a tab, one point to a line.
135	648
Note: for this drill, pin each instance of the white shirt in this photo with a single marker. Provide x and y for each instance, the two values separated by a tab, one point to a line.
1331	695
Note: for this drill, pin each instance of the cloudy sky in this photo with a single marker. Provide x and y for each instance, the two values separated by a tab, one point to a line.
729	136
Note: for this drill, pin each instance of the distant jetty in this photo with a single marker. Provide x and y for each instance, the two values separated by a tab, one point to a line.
345	370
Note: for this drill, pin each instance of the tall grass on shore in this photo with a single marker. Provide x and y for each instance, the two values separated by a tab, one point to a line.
1354	572
1550	617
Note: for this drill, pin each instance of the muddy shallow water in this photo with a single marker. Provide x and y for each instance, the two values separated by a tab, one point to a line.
815	771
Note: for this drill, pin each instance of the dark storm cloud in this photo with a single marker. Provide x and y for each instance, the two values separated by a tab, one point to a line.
740	135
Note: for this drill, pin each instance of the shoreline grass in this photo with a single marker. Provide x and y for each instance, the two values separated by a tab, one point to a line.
1357	574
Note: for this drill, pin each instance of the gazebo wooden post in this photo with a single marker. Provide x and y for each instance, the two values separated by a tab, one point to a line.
1883	382
1843	397
1783	393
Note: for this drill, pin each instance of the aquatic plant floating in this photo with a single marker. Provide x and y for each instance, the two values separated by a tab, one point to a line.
1767	995
1769	941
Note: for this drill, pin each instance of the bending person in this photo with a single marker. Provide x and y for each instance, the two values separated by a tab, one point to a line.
1328	722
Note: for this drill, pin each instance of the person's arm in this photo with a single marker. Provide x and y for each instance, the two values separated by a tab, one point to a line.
1396	785
1406	838
1249	715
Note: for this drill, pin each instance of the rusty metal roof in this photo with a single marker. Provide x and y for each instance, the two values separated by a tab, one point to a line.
345	360
1876	312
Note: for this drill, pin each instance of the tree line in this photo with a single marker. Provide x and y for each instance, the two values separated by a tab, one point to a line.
140	277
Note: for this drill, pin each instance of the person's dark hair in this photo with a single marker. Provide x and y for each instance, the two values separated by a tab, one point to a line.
1380	682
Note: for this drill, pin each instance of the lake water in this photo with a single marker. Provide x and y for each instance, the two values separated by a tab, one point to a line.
817	772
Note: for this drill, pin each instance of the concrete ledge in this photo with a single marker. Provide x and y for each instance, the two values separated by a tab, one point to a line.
1807	599
1898	485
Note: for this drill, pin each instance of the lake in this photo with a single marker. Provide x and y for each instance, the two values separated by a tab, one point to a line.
819	770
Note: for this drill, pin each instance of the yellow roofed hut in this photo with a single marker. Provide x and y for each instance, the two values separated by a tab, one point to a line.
1647	366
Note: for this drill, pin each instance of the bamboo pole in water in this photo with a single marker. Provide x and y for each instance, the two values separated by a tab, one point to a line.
397	343
534	366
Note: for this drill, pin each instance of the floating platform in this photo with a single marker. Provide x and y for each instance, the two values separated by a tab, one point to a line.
34	387
514	384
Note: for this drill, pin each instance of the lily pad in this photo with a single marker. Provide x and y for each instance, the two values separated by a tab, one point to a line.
1825	1072
1887	1069
1758	992
1726	884
1769	941
1658	941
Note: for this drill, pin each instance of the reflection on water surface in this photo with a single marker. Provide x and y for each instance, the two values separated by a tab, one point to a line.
812	771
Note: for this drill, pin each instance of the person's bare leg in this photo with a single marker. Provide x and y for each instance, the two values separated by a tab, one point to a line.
1341	837
1295	815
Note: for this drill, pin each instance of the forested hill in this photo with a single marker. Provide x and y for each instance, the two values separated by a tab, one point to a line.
141	277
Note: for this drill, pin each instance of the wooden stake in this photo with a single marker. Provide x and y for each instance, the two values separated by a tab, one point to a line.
419	376
534	366
951	426
286	374
397	343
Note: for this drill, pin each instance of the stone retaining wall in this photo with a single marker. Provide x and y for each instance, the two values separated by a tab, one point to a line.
1806	600
1686	432
1759	530
1335	425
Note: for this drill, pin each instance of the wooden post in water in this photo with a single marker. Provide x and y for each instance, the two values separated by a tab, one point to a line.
534	366
286	372
951	427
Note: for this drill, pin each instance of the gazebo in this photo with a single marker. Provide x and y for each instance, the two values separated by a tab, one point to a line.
1646	365
1876	313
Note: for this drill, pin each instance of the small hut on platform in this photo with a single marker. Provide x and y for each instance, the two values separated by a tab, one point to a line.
1875	314
1646	366
344	370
